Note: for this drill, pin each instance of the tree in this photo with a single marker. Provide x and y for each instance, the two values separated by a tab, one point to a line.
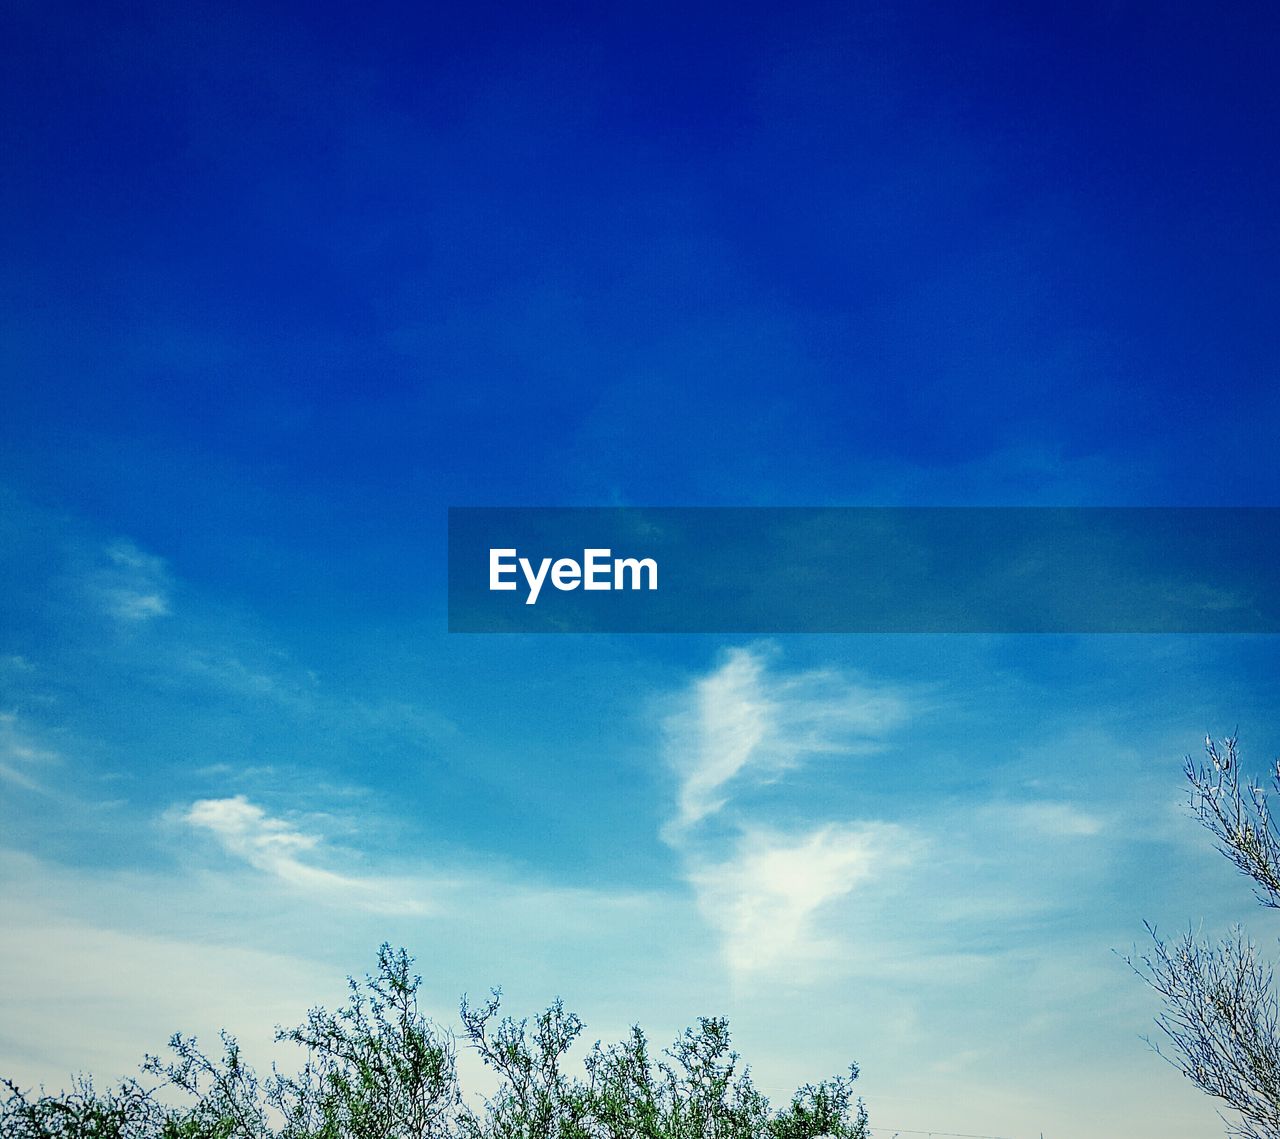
377	1068
1221	1014
128	1112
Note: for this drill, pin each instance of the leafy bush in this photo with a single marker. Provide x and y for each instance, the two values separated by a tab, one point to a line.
378	1069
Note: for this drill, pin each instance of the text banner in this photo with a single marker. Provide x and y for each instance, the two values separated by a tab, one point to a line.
864	570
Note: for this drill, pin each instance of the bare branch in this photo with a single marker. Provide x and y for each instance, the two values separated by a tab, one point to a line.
1238	814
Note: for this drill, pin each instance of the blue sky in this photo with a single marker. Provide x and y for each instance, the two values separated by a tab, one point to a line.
282	284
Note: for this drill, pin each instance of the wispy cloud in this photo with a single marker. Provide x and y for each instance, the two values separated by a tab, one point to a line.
743	724
740	720
217	665
134	586
765	899
1051	819
20	754
130	987
278	848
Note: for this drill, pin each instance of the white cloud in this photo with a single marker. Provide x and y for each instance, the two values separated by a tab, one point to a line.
276	847
20	754
739	719
130	990
766	900
222	670
135	586
132	954
766	895
130	606
728	727
1050	818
